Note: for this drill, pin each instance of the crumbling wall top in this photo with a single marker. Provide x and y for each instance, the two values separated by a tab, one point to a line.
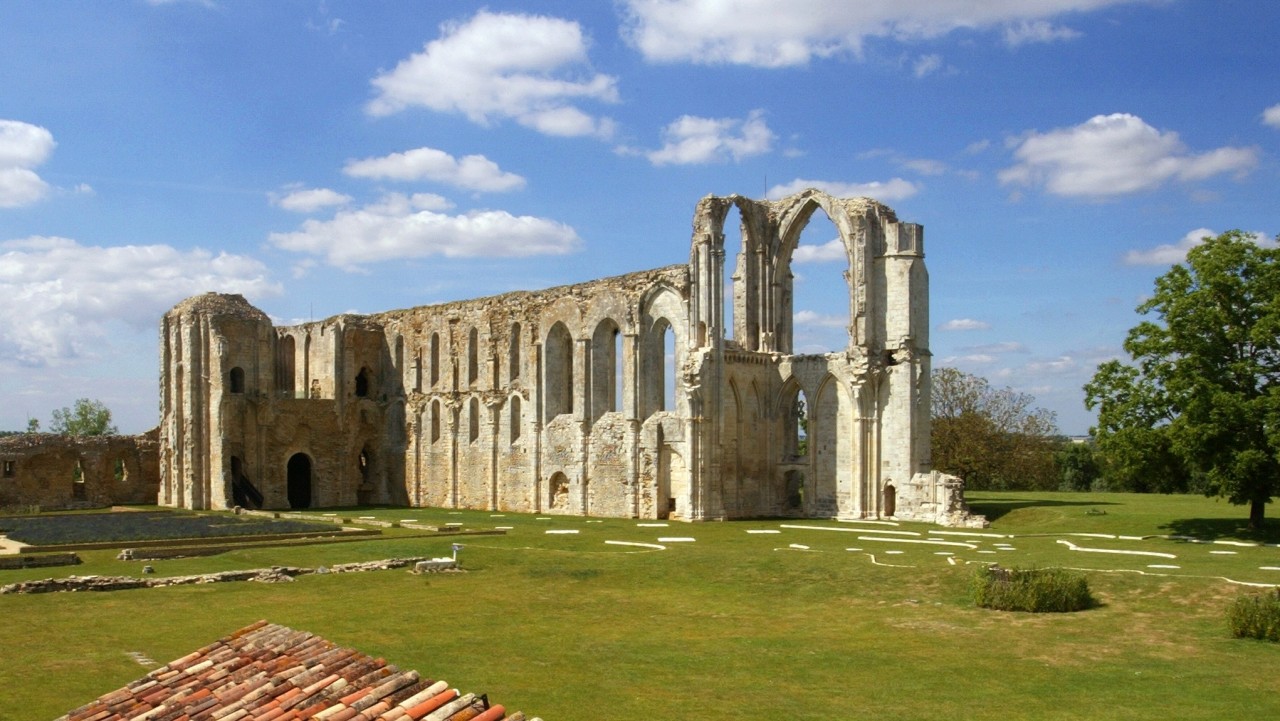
231	305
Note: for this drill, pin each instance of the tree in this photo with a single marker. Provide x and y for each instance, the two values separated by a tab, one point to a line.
86	418
1199	407
1077	465
992	438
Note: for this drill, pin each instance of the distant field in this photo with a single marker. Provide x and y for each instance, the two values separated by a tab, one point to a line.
759	619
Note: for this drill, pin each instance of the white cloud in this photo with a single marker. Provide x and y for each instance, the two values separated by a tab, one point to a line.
965	324
529	68
311	200
969	359
691	140
472	172
23	146
767	33
1036	31
1061	365
1112	155
926	65
401	227
830	251
57	297
1171	253
1271	116
895	189
815	319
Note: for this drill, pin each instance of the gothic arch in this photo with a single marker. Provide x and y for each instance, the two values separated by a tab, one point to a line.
557	357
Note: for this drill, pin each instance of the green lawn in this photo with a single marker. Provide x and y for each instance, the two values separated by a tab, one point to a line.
730	625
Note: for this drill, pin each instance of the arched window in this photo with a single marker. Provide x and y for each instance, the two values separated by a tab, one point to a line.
235	380
604	368
558	359
285	366
473	420
364	379
796	425
513	353
435	359
435	421
400	359
516	418
417	372
817	299
473	356
657	369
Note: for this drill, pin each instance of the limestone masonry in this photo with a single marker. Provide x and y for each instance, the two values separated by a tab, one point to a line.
628	396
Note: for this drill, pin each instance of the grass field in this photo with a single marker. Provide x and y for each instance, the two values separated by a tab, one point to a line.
759	619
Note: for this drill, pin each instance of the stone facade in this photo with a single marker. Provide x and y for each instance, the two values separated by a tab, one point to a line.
617	397
59	472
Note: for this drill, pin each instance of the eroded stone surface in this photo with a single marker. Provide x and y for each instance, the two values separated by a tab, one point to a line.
58	472
553	401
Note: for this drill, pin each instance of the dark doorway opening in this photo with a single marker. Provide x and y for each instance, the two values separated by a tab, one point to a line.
243	492
299	474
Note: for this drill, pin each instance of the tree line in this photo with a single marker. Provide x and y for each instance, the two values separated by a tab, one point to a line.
1195	407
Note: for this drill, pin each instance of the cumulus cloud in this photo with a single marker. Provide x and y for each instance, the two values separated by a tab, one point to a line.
830	251
471	172
1110	155
311	199
1271	116
965	324
766	33
692	140
402	227
895	189
23	146
1036	31
1171	253
926	65
814	319
57	296
529	68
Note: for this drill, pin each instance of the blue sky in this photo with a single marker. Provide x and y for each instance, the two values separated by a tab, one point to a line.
326	157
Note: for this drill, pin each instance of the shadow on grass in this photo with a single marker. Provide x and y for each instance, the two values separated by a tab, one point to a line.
995	508
1214	528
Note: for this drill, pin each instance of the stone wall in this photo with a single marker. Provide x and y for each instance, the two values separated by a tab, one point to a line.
59	472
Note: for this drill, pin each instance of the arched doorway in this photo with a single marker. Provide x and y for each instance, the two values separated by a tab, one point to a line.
890	500
299	481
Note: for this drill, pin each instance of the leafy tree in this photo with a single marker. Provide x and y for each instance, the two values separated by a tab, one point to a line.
1199	407
86	418
33	425
992	438
1078	467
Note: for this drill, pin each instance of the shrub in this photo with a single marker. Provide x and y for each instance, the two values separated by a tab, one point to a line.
1255	616
1036	590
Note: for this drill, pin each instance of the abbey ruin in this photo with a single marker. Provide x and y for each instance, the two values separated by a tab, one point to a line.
557	401
648	395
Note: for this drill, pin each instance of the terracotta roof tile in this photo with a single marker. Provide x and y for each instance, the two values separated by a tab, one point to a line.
268	672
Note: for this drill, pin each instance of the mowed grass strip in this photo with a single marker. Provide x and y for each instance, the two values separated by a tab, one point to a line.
568	627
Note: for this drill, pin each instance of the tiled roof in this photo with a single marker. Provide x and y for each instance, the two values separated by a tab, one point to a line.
267	672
